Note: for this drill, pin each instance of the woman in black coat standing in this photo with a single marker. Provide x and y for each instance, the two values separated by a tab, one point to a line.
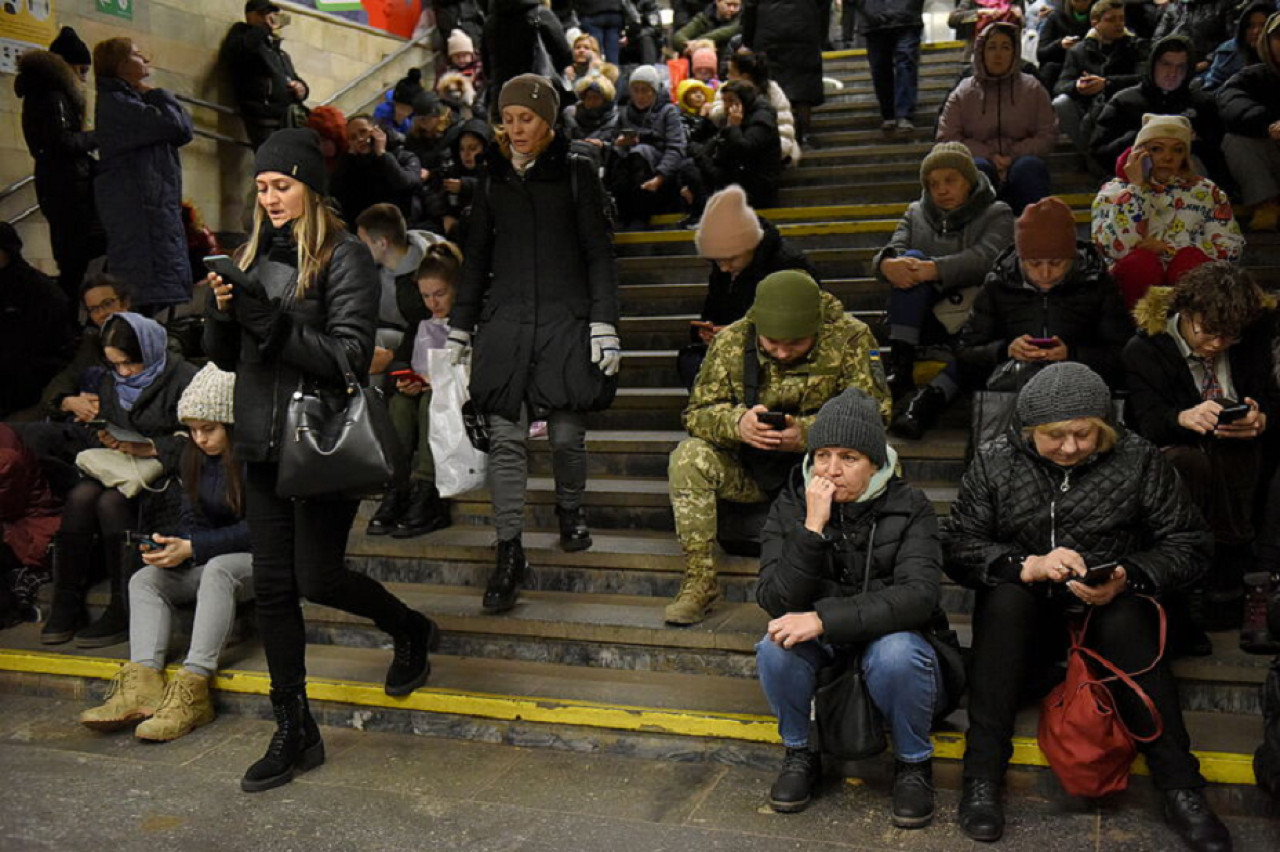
539	293
1065	490
792	33
510	35
309	285
53	113
851	563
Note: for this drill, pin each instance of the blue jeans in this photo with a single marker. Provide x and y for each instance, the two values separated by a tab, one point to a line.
1026	182
908	309
894	57
605	27
902	677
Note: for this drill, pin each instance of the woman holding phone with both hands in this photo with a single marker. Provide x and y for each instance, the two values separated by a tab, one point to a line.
302	278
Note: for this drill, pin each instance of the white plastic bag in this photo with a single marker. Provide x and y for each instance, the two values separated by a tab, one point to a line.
460	467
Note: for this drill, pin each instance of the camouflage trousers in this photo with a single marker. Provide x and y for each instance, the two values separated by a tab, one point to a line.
699	474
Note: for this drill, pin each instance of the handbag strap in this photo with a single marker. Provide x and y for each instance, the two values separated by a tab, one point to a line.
339	355
1127	678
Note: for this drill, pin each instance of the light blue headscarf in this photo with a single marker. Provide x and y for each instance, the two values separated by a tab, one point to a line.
153	340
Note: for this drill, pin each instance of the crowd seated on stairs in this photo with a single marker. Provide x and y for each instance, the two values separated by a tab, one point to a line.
481	231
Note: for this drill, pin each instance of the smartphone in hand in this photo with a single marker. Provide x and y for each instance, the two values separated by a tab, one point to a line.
776	420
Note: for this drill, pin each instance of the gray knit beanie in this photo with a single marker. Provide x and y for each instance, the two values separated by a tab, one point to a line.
851	420
210	396
1064	391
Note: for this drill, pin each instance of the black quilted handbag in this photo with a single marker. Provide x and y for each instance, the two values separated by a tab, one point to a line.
337	443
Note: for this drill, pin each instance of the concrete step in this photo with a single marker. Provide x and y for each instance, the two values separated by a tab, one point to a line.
651	312
672	331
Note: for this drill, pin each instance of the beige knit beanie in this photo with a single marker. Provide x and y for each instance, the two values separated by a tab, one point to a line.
210	396
729	226
460	42
1164	127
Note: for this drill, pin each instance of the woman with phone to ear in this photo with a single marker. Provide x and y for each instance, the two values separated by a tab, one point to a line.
301	277
1065	488
1158	218
1201	346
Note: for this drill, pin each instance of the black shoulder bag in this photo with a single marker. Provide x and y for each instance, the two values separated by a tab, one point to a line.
850	726
337	443
769	468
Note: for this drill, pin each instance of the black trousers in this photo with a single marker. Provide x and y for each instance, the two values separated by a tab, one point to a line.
1019	634
298	551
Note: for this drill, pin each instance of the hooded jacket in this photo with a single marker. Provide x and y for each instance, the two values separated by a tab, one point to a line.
1160	382
1120	62
1085	310
1187	212
53	113
662	140
1250	101
539	267
1233	55
750	154
1009	115
469	177
1125	505
1120	119
581	123
962	242
729	298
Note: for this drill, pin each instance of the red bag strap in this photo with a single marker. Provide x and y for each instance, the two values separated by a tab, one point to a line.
1127	678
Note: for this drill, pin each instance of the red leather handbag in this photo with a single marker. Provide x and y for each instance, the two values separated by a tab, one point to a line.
1088	745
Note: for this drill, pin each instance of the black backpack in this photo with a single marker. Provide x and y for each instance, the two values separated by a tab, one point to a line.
1266	760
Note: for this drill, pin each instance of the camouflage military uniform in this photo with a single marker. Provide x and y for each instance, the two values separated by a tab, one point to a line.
706	466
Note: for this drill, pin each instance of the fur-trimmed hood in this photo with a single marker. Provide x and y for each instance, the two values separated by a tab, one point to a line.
1151	313
41	71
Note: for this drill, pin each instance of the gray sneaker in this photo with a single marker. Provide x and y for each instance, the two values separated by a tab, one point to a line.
905	124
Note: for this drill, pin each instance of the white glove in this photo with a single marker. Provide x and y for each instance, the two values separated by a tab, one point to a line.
458	345
606	349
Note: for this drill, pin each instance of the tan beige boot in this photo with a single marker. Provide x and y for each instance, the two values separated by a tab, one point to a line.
136	692
186	706
698	593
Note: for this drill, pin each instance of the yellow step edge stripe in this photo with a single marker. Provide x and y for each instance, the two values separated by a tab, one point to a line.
839	210
1217	767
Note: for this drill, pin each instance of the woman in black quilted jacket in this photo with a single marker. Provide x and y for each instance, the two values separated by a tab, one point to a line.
1062	491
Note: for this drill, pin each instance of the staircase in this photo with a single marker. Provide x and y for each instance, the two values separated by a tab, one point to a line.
585	662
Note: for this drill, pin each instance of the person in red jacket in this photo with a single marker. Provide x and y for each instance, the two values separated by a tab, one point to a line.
30	514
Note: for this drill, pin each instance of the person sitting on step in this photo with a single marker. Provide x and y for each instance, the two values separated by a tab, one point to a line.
1201	348
1003	115
207	562
851	565
647	152
417	509
1158	218
1250	107
743	249
1116	500
938	255
763	381
1048	298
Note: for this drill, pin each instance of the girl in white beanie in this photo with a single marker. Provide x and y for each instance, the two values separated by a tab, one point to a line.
207	562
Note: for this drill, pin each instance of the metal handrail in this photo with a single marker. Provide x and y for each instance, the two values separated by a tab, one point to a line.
222	108
15	186
219	137
423	41
24	214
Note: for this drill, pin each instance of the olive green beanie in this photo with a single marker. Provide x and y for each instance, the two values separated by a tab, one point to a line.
788	306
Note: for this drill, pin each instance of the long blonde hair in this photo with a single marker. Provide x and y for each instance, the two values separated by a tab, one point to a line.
316	233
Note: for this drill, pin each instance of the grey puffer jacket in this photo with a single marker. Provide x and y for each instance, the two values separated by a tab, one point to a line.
962	242
662	136
342	305
1126	504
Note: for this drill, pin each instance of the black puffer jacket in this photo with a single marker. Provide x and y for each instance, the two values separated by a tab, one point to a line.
751	154
362	180
1126	504
792	33
155	413
886	14
509	37
53	111
1160	382
1120	62
1086	311
260	72
539	267
1249	102
729	299
342	305
1059	25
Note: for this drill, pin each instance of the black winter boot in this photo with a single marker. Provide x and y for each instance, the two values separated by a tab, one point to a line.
411	666
389	513
508	574
981	813
574	533
920	414
1255	636
1186	634
112	627
426	512
899	368
295	746
913	794
1187	813
71	555
793	788
1224	588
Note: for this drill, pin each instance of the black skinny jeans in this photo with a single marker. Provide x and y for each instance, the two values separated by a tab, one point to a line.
298	551
1011	623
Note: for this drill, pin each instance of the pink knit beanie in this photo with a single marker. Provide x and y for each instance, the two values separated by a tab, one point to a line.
729	226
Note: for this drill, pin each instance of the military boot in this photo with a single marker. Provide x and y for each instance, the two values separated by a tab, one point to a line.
698	593
135	693
186	706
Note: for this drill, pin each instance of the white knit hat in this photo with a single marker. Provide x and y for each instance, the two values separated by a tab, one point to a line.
460	42
1164	127
729	226
646	74
210	396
